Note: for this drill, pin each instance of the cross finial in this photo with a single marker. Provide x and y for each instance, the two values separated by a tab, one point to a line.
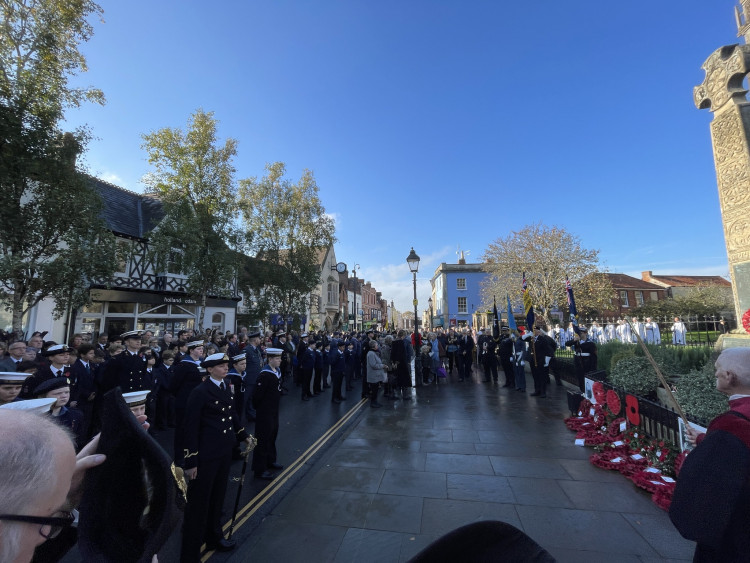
742	14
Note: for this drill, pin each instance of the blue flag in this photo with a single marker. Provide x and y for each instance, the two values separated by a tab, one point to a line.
511	318
572	306
528	308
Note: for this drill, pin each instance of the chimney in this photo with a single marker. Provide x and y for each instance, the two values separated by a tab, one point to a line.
646	276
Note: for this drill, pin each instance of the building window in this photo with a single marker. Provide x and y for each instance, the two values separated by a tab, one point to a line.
460	283
462	305
639	298
624	299
124	250
654	296
174	262
332	293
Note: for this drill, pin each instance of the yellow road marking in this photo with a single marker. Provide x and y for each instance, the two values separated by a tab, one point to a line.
261	498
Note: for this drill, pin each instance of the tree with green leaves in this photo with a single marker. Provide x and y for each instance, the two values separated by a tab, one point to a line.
289	228
194	177
547	255
53	240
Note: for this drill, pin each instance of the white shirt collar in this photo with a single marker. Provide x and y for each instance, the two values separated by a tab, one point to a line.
216	382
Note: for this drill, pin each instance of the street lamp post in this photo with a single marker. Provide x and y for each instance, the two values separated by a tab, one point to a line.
429	302
354	271
413	261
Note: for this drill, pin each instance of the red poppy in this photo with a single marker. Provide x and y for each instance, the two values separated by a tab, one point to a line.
631	410
613	402
599	393
746	320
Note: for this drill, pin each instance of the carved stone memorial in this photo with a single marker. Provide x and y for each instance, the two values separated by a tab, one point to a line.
723	93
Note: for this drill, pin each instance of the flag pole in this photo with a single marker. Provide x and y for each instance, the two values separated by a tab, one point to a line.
659	374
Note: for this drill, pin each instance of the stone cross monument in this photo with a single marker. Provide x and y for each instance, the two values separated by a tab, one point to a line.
723	93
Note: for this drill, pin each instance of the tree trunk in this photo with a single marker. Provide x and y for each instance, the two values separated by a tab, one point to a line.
202	312
18	304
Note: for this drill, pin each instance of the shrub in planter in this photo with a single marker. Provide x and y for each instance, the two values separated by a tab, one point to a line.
696	392
635	375
617	357
605	352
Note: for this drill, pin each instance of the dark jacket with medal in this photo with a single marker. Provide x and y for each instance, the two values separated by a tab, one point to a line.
211	424
126	371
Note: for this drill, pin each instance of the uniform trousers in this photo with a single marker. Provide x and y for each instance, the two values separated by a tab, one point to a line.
540	374
508	371
306	381
266	432
337	378
203	511
520	377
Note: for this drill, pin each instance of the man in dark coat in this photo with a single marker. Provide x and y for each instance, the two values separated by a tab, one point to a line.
488	356
306	367
187	376
127	370
338	368
266	399
711	502
541	353
211	431
465	352
505	351
253	367
400	359
585	355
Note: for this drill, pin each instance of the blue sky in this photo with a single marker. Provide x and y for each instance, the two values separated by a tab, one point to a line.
438	124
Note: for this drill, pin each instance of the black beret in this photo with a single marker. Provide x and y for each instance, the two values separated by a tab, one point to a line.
136	484
50	385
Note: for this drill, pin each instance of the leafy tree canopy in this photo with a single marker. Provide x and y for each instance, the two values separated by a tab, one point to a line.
289	228
194	176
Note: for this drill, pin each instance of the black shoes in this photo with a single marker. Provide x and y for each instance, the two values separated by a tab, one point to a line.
337	401
266	476
277	466
222	545
375	405
534	394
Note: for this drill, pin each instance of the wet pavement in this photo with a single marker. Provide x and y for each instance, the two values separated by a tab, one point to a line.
364	484
396	478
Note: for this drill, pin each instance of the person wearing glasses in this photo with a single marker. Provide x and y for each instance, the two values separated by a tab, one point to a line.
39	467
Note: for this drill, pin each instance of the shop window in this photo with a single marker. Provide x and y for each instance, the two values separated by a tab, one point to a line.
121	308
158	310
94	307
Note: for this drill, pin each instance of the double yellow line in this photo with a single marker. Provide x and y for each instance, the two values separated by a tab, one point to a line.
254	505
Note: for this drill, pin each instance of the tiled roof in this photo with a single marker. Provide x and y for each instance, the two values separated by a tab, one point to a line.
624	281
128	213
681	281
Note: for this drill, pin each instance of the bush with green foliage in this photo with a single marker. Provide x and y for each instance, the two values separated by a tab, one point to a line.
672	360
635	375
696	392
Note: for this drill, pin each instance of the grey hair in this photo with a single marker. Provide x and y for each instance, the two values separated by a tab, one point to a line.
26	444
373	344
388	340
739	360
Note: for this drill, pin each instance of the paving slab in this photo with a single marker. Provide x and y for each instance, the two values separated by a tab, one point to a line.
406	474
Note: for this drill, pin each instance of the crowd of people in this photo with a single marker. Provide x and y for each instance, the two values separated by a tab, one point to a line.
621	331
208	387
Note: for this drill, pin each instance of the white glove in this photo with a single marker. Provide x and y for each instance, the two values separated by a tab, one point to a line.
523	363
547	360
511	358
